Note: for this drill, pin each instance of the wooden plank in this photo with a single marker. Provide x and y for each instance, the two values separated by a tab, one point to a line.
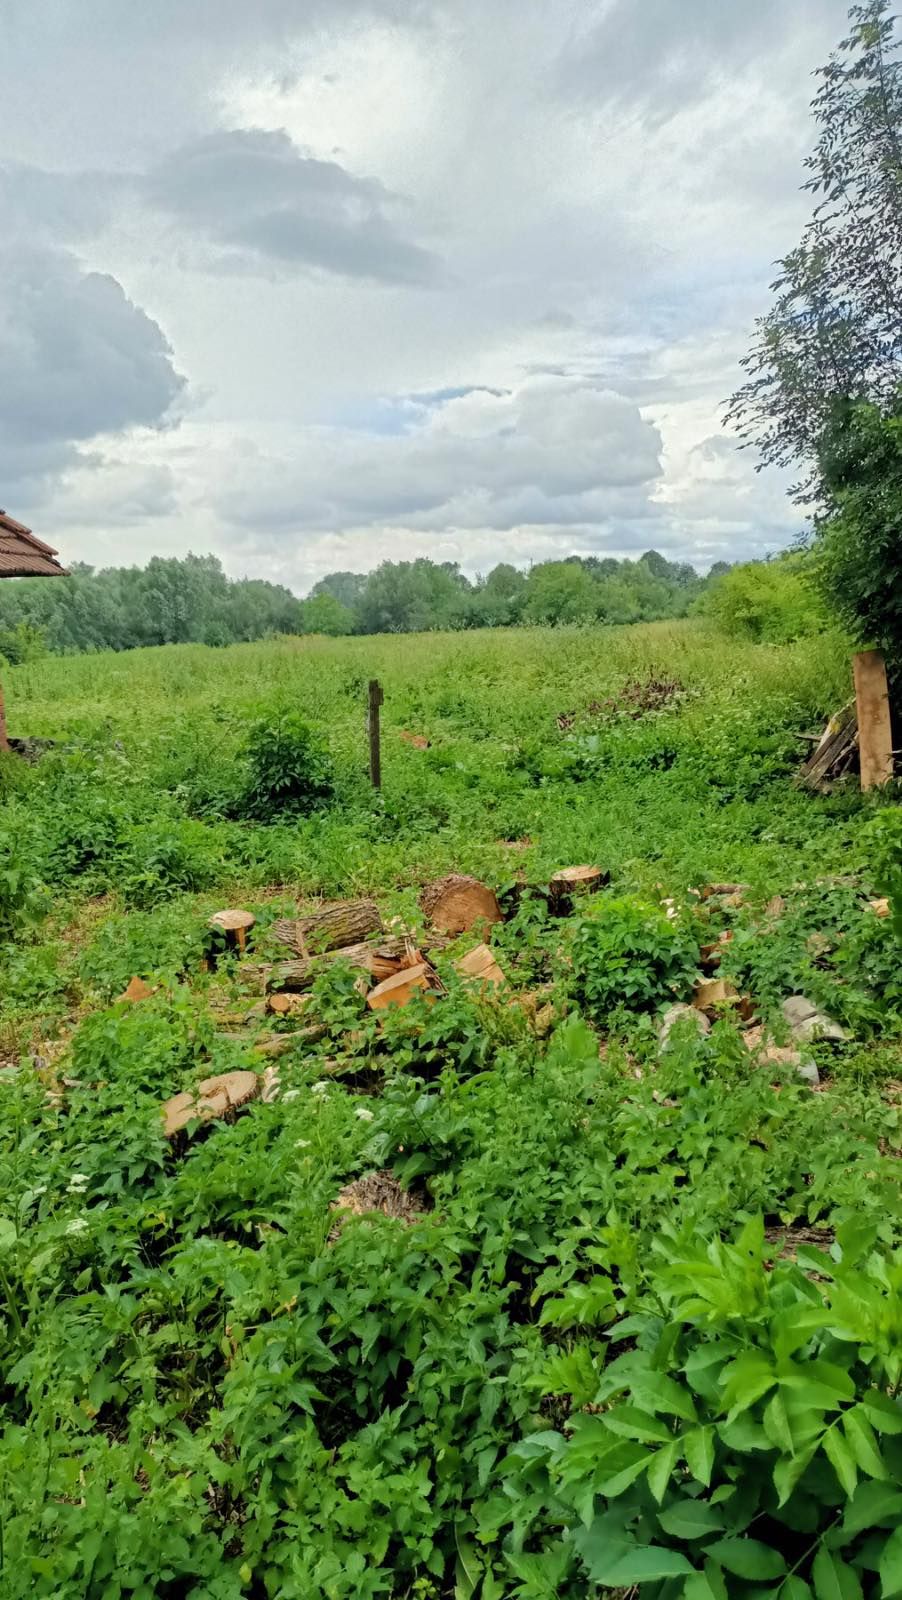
375	700
875	734
4	741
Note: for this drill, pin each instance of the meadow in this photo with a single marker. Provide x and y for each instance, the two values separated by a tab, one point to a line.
637	1326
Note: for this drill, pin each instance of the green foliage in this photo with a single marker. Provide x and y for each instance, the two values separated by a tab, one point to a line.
885	840
748	1430
290	770
633	955
857	560
774	601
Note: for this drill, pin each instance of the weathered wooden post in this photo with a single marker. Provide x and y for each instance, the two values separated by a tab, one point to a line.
376	698
875	734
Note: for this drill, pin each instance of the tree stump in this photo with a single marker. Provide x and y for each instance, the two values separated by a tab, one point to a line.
457	903
236	926
570	883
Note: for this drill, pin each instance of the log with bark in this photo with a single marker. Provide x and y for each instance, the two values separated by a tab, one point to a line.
380	960
570	883
335	927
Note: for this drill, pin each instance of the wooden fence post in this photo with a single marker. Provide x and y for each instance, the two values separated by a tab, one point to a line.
875	735
376	698
4	741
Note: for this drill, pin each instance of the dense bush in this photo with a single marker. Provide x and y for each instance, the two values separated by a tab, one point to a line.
633	955
290	769
772	601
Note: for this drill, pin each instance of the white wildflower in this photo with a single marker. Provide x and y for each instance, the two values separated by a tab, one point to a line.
77	1225
302	1144
77	1182
364	1114
291	1094
320	1088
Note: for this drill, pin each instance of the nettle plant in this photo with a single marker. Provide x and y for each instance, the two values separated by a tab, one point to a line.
747	1442
633	955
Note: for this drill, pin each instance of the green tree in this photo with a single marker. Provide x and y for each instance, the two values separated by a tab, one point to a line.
857	557
834	332
560	591
322	613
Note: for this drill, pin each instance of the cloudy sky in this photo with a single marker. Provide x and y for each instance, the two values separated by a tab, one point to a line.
314	283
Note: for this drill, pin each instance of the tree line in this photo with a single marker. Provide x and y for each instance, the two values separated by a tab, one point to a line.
191	600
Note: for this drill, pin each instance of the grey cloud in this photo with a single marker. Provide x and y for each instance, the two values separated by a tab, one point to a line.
262	202
79	359
659	56
553	451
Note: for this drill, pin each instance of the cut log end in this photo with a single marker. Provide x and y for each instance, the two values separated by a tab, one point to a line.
579	880
458	903
236	926
480	967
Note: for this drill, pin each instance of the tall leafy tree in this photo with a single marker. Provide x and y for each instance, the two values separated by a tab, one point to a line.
834	331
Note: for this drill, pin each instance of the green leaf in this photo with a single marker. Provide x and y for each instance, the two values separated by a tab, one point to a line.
644	1564
841	1459
748	1558
872	1505
690	1519
863	1444
468	1569
833	1578
707	1585
633	1423
8	1234
747	1379
789	1470
699	1448
661	1469
795	1588
883	1413
891	1566
776	1424
654	1391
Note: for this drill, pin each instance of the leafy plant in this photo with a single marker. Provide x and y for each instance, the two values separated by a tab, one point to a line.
631	954
290	768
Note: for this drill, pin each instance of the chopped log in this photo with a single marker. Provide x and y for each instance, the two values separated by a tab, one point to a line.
400	989
458	903
480	966
136	989
836	754
215	1097
875	734
713	993
235	925
287	1005
380	960
880	908
416	740
348	922
723	891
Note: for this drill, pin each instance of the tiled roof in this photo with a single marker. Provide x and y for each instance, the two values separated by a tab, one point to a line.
24	556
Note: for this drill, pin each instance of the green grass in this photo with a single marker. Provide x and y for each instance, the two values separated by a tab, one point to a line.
208	1388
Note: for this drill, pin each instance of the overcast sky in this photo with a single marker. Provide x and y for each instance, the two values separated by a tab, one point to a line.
314	283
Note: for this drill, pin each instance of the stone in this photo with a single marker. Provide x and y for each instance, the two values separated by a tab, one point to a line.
806	1022
675	1014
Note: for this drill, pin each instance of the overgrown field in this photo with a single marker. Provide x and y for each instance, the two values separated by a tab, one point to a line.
636	1318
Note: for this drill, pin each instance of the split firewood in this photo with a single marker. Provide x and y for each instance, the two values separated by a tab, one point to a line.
711	953
880	908
335	927
380	960
480	966
235	925
136	989
712	994
416	740
458	903
400	989
215	1098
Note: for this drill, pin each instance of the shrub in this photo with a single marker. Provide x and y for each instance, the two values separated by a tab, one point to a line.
772	601
633	955
290	769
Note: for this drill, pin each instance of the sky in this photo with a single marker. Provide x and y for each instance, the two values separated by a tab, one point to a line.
314	284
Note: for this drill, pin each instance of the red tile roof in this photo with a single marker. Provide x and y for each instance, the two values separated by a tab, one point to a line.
24	556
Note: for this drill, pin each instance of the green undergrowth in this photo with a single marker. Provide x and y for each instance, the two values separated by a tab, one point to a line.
638	1327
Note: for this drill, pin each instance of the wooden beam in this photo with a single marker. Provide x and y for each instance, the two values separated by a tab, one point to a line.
875	735
4	741
375	701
